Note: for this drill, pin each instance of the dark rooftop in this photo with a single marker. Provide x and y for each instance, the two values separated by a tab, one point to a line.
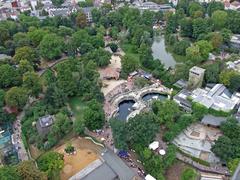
213	120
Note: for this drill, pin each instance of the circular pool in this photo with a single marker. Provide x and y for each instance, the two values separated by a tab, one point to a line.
125	108
154	96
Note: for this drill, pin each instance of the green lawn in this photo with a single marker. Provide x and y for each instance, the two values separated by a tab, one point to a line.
77	106
131	50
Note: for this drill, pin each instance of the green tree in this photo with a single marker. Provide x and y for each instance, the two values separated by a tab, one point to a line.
189	174
226	35
219	19
233	164
129	64
4	35
180	47
36	36
93	115
2	95
234	83
119	134
16	97
32	82
51	46
25	53
205	48
141	129
58	2
9	173
186	25
193	54
25	66
216	40
55	96
214	6
233	21
28	170
81	20
79	126
165	111
194	7
200	26
51	163
224	148
8	76
212	72
226	76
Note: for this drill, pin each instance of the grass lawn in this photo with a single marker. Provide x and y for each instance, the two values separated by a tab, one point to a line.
130	49
77	106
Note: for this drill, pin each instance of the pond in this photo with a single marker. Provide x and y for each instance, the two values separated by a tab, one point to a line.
155	96
125	108
160	52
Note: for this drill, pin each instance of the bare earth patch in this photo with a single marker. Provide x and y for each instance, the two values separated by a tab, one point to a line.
84	156
174	172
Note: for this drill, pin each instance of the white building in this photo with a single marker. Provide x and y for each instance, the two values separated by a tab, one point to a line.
218	98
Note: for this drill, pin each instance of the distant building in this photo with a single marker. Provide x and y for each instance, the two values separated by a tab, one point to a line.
234	65
88	12
44	124
182	100
218	98
196	75
235	41
151	6
235	5
210	120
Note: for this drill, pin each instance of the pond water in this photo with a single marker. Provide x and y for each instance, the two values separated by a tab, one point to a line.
154	96
160	52
124	109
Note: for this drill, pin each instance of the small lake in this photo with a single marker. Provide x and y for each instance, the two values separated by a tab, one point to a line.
154	96
160	52
125	108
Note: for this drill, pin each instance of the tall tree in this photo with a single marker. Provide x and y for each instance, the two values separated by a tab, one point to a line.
28	170
51	46
219	19
51	163
16	97
32	82
81	20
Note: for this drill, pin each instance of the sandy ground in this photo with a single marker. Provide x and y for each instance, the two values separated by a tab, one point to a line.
115	62
109	85
87	152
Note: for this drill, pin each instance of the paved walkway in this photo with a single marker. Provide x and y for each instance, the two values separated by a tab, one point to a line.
17	138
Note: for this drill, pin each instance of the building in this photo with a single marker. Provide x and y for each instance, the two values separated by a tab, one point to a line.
182	100
235	41
235	65
210	120
151	6
44	124
235	5
108	167
218	98
196	75
88	12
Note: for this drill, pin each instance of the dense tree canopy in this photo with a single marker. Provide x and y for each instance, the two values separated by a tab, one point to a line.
51	163
51	46
16	97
